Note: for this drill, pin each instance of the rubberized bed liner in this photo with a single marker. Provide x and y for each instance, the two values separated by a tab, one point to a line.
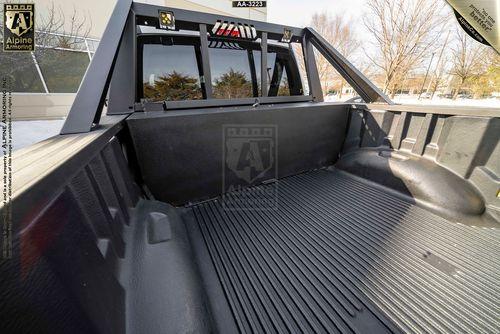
340	255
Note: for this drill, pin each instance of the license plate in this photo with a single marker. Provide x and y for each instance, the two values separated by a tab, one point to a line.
249	4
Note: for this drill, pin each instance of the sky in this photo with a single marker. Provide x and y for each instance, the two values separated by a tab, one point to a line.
298	12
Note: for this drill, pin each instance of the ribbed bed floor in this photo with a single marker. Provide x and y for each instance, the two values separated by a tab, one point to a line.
339	255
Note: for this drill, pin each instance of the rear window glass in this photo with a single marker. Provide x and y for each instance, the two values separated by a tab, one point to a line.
231	75
172	69
277	77
171	73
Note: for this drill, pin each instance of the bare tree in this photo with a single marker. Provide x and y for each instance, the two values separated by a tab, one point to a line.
74	26
439	76
56	22
468	59
337	30
53	30
487	79
404	34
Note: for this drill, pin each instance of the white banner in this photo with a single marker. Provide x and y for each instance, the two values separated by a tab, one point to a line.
483	16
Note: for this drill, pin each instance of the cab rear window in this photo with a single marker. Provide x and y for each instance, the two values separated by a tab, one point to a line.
231	73
172	70
171	73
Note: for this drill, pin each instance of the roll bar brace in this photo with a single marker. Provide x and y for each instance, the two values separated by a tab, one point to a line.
112	72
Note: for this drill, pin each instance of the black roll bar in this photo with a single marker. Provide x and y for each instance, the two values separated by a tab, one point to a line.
89	101
361	84
113	66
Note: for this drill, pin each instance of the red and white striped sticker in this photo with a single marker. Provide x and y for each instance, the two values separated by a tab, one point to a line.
232	29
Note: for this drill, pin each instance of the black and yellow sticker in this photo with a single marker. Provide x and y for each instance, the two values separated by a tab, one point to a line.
287	36
19	27
166	20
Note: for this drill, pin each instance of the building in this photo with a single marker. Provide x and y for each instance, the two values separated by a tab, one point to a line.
46	81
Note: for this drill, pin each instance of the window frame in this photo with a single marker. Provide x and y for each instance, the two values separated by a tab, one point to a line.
251	66
180	40
202	40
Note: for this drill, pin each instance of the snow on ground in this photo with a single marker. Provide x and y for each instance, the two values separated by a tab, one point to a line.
413	99
25	133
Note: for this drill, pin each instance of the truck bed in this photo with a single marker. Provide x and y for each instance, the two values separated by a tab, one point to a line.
340	254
